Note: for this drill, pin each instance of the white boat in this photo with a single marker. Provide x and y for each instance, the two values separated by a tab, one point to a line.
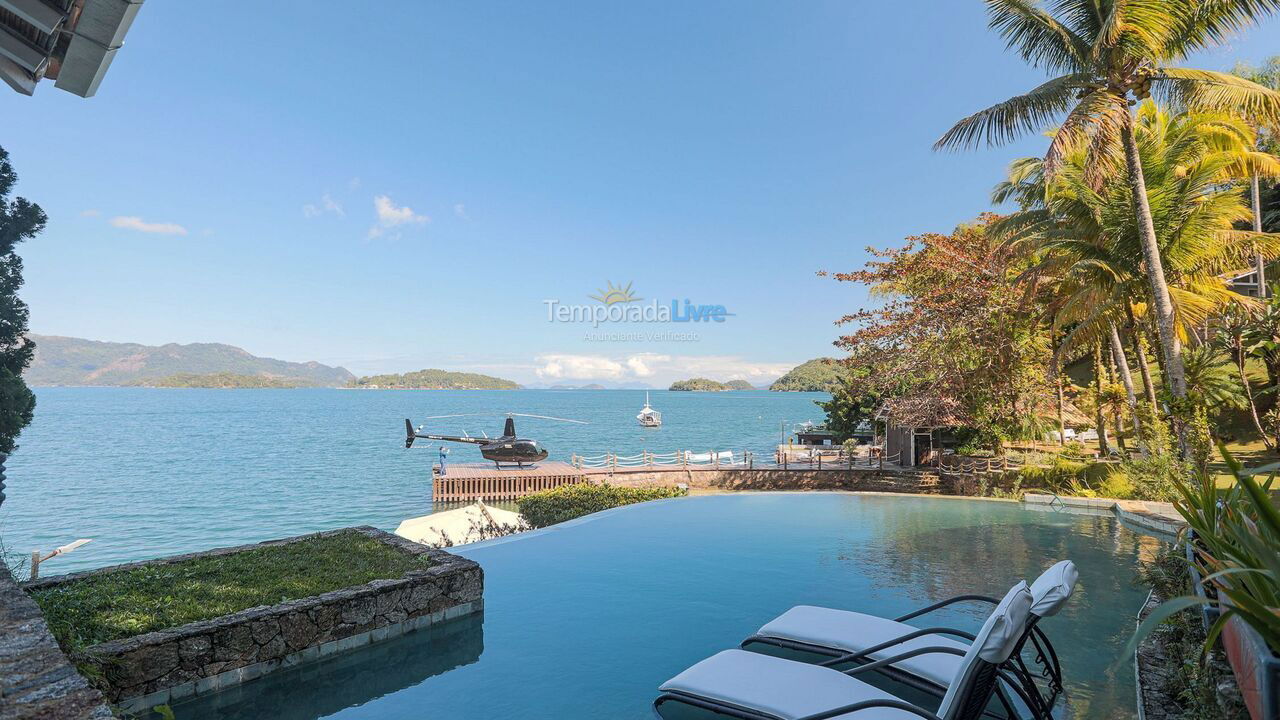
649	417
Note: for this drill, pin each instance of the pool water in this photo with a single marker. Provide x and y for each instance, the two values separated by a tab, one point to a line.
585	620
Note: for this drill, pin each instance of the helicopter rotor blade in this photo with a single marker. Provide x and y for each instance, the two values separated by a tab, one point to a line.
548	417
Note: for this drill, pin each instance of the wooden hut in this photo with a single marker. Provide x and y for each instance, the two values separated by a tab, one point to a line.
918	427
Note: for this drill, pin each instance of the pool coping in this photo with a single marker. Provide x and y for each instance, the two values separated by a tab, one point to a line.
1133	514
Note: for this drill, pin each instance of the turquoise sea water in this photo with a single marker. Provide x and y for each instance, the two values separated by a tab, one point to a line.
586	620
151	472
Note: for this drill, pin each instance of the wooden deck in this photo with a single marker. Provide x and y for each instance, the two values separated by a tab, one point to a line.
476	481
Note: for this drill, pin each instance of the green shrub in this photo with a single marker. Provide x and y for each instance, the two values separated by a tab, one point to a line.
1155	477
570	501
1117	485
1068	477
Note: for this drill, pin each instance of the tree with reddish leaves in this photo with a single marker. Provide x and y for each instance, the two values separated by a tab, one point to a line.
957	324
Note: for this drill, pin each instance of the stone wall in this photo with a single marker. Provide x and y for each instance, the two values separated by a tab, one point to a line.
36	679
201	657
866	479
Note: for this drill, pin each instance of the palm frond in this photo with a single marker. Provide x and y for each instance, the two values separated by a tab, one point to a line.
1004	122
1037	36
1200	90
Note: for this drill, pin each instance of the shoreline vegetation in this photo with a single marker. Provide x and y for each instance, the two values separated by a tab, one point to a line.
432	379
818	375
701	384
222	381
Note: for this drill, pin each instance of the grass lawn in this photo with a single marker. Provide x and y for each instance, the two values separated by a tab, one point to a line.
132	602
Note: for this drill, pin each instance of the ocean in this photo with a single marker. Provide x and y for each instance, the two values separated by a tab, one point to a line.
150	472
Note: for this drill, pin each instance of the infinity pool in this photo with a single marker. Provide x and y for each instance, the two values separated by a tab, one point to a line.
586	619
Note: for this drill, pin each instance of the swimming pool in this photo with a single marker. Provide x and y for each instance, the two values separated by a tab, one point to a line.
585	620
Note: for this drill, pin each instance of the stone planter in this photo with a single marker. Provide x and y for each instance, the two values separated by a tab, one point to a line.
201	657
1256	667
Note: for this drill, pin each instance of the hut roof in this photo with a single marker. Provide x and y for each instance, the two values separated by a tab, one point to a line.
935	408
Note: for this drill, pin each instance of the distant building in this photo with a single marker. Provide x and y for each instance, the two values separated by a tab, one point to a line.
69	41
1245	283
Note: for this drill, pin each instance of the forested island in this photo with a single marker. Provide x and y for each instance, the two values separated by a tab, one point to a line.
707	385
220	380
818	375
432	379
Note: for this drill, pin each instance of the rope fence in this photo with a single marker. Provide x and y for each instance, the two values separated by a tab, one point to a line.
816	459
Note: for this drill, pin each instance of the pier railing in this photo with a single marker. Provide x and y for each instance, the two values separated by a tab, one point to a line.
778	459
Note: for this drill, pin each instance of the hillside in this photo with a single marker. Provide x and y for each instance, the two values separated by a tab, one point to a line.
739	385
221	381
819	375
75	361
699	385
432	379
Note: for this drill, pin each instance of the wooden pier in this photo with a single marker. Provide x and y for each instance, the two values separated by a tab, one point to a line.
464	482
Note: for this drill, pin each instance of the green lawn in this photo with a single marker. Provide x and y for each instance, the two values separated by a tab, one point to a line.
131	602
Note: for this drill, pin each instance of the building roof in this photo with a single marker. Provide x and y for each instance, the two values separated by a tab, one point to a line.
70	41
934	408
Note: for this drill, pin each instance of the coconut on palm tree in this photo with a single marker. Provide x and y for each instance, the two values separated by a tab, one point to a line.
1107	55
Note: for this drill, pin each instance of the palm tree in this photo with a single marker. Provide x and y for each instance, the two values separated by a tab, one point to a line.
1106	54
1083	232
1267	76
1210	380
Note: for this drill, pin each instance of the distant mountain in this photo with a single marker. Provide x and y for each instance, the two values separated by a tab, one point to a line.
75	361
739	385
432	379
592	386
818	375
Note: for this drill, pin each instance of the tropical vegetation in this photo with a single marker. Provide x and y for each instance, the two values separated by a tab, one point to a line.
432	379
567	502
1114	290
817	375
701	384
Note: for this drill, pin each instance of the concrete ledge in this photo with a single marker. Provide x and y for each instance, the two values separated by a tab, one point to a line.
1158	517
202	657
743	479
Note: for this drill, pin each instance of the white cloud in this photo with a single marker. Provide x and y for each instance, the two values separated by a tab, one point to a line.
584	367
656	368
353	183
136	223
461	211
327	205
390	216
641	365
90	213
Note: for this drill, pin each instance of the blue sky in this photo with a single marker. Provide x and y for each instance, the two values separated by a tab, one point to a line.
404	184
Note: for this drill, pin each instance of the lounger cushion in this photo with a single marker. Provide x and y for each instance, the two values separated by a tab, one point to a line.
853	631
1053	588
782	688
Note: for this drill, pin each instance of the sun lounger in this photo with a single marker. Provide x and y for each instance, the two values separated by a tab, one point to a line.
847	637
753	686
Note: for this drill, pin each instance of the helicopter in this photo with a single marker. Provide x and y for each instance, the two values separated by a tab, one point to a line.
505	449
